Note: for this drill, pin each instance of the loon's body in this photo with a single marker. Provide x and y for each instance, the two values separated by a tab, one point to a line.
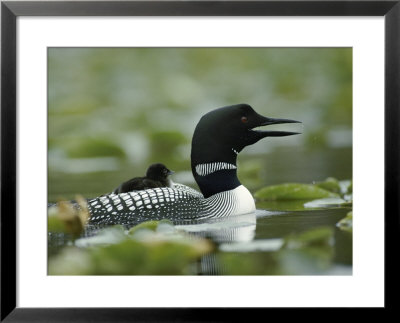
156	176
217	140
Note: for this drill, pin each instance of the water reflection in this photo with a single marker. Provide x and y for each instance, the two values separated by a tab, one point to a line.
232	230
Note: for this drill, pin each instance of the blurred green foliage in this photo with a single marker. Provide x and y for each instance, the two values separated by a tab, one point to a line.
120	109
150	249
166	146
93	147
145	250
113	111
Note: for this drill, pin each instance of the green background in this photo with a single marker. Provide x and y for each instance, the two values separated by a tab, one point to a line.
113	111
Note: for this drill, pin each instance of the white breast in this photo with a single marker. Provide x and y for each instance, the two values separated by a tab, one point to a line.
245	201
234	202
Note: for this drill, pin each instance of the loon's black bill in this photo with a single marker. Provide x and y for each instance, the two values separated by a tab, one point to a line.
170	172
269	121
279	133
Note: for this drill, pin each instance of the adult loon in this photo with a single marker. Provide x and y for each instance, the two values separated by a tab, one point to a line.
156	176
218	138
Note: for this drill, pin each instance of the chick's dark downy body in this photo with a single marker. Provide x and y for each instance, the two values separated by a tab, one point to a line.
156	176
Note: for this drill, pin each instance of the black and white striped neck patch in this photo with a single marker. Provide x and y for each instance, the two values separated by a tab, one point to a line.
206	169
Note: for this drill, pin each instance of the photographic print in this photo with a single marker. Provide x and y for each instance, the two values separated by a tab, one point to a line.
199	161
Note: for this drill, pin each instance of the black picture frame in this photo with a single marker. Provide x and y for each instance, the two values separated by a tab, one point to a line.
11	10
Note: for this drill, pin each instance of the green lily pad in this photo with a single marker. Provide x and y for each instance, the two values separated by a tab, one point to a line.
330	184
71	261
149	225
326	202
282	205
346	223
132	257
293	191
66	218
252	246
107	236
54	223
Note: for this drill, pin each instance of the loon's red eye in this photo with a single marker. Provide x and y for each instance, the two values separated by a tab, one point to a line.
244	119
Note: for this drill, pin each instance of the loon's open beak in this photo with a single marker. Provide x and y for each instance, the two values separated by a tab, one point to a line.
265	121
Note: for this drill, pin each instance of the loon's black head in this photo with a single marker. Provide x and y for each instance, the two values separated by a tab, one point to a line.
158	172
226	131
220	135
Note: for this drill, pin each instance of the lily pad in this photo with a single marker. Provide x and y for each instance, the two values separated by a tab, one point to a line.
55	224
282	205
149	225
163	256
66	217
330	184
71	261
252	246
293	191
346	223
326	202
107	236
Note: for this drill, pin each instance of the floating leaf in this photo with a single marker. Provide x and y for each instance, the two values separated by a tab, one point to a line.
107	236
147	252
71	261
54	223
282	205
254	245
67	217
130	257
293	191
346	223
330	184
326	202
149	225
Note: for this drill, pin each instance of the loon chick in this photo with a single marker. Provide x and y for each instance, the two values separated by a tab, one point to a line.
219	137
156	176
